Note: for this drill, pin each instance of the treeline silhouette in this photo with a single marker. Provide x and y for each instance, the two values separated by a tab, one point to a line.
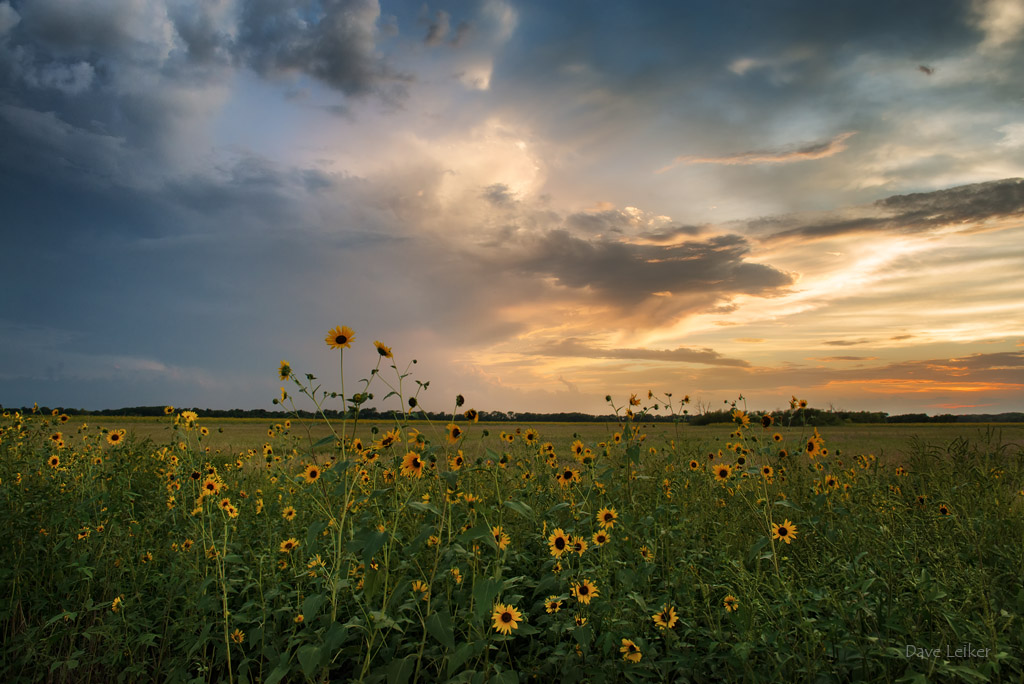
808	416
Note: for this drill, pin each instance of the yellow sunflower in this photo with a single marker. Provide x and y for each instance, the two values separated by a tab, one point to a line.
340	337
667	618
784	532
454	433
284	371
412	466
312	473
558	542
630	651
505	618
731	603
383	349
584	591
606	517
289	545
500	538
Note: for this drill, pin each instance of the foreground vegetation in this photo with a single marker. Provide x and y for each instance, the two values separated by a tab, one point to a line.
458	552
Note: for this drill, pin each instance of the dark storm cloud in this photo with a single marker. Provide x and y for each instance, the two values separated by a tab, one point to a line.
573	347
499	194
919	211
625	273
334	41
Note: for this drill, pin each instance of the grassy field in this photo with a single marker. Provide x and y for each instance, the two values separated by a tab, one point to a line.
222	550
889	442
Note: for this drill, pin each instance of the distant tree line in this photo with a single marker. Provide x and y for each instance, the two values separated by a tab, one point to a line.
809	416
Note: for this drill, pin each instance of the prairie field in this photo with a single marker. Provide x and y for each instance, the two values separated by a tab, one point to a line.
192	550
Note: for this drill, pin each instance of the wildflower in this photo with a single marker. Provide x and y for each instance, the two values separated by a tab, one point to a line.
454	432
299	619
784	532
340	337
187	544
456	461
383	350
767	471
500	538
457	575
312	473
731	603
558	542
289	513
579	620
579	545
630	651
115	436
168	410
777	437
421	587
54	461
116	604
506	618
471	415
646	554
606	517
694	464
238	636
584	591
289	545
601	538
667	618
553	604
412	466
722	472
943	509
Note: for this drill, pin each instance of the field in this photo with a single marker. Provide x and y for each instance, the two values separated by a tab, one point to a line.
188	550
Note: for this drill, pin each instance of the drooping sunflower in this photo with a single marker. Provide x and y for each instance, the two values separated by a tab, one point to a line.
500	538
784	532
558	542
731	603
340	337
312	473
284	371
238	636
454	433
584	591
289	545
767	421
505	618
630	651
420	587
383	349
412	466
606	517
667	618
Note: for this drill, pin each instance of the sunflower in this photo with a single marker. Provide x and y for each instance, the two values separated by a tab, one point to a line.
204	431
579	545
567	475
558	542
454	432
531	436
767	421
456	461
340	337
694	464
505	618
289	513
471	415
56	438
777	437
584	591
943	509
412	466
54	461
606	517
289	545
211	486
457	575
168	410
646	554
238	636
731	603
115	436
630	651
284	371
388	439
767	471
312	473
601	538
667	618
421	587
116	604
383	349
500	538
722	472
553	604
784	532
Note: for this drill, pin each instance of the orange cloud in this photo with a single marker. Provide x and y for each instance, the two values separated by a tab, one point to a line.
786	155
905	386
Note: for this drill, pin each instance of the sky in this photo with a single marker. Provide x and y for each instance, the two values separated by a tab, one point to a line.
542	203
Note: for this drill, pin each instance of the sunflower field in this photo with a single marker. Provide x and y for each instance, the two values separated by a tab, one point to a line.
461	553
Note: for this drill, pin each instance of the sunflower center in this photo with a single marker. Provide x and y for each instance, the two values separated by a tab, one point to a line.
783	531
506	617
583	589
559	543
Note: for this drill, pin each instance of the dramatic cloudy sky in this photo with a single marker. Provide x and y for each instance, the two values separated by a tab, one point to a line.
542	202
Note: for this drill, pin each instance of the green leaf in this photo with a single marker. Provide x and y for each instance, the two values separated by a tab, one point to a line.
330	439
521	508
309	659
313	532
789	504
757	546
399	671
484	593
506	677
464	653
440	627
424	508
311	606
